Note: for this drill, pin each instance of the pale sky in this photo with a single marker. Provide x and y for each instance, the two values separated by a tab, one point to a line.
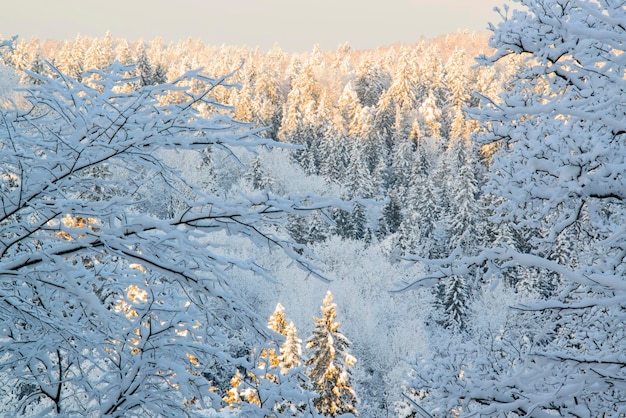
295	25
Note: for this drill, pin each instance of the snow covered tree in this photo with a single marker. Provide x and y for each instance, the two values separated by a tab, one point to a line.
290	350
144	67
464	213
371	81
257	176
358	180
278	324
329	364
454	303
274	384
432	115
391	217
105	308
37	66
297	126
70	60
100	53
277	321
558	171
456	80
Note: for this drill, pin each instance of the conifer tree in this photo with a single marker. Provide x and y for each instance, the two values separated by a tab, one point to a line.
277	321
37	66
455	301
144	68
257	176
296	124
329	364
392	216
291	349
432	115
456	79
318	227
70	61
273	383
358	179
425	211
464	214
123	54
371	81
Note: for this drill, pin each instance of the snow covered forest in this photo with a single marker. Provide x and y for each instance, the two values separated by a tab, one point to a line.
422	230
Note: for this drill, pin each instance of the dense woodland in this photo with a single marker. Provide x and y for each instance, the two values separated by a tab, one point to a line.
413	231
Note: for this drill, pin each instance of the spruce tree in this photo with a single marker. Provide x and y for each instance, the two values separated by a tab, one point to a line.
277	321
455	300
291	350
144	67
329	364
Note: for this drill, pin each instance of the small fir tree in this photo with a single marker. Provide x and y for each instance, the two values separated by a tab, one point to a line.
329	364
290	350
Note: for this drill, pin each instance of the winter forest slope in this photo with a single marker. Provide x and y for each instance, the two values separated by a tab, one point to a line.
469	219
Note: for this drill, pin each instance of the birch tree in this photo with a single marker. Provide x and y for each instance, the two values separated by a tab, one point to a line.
106	308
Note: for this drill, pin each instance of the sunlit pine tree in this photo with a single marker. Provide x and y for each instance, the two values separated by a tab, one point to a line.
456	80
123	54
329	364
70	60
100	53
277	321
300	104
268	97
21	55
348	104
432	115
291	350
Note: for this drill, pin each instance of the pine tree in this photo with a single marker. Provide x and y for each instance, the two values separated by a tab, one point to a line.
37	66
456	298
277	321
144	68
464	214
291	350
358	180
343	223
329	363
268	97
432	115
402	164
425	211
318	227
392	216
371	81
360	228
257	176
456	80
70	61
278	324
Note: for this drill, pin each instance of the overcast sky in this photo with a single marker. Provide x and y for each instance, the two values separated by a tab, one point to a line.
294	25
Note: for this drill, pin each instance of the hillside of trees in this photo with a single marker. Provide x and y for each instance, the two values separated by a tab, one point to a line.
175	217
